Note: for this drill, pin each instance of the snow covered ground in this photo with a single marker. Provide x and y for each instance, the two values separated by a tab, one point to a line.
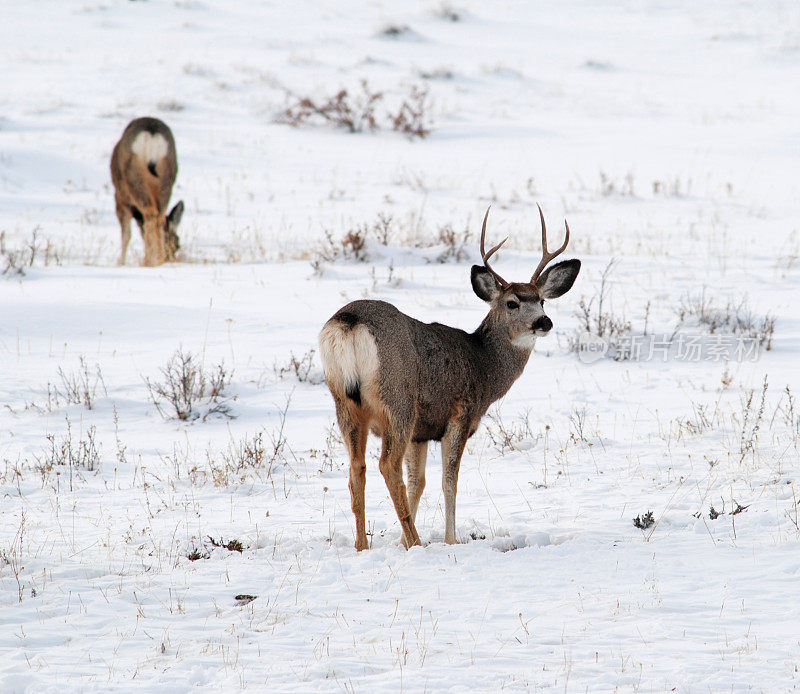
665	132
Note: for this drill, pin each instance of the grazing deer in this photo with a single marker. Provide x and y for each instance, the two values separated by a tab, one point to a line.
411	382
143	169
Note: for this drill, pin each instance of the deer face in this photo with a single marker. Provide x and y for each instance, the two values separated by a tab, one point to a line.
520	305
169	225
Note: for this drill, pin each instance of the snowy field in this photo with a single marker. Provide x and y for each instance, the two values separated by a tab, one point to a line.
132	542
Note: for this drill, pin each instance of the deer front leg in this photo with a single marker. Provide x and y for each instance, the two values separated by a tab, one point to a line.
453	442
416	456
391	467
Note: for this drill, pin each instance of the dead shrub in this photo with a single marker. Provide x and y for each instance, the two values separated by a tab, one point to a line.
76	388
67	454
353	112
510	436
735	318
357	112
301	368
189	390
455	244
412	118
598	320
36	251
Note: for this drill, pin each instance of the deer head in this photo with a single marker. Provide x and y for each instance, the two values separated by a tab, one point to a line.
518	307
171	241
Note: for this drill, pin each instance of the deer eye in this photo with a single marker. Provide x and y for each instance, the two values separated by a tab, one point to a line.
541	302
512	304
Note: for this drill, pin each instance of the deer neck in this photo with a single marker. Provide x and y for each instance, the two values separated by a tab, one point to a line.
503	361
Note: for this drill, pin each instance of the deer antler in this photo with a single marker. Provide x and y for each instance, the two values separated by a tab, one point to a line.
546	255
491	252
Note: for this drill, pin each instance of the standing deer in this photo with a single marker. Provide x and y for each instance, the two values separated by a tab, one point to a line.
411	382
143	169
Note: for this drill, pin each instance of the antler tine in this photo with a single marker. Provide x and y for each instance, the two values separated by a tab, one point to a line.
491	252
546	255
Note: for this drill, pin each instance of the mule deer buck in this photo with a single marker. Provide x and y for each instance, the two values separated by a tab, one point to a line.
143	170
411	382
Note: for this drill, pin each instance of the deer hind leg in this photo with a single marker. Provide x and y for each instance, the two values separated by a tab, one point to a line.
354	431
453	442
391	467
416	456
124	217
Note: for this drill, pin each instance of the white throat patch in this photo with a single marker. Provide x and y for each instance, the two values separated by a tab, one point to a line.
525	341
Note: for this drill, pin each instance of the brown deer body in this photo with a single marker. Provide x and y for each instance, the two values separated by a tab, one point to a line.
411	382
143	169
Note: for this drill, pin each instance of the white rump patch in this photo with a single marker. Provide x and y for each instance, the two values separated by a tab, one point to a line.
349	356
149	147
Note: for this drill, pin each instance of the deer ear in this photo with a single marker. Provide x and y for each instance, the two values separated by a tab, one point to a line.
483	283
175	214
558	279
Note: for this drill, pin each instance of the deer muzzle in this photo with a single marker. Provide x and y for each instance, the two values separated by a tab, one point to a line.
542	325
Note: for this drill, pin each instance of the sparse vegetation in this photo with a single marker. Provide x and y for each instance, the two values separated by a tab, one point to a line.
249	456
577	421
750	420
610	186
195	554
358	242
201	551
37	251
300	368
509	436
790	415
352	246
447	12
328	458
674	187
13	556
189	391
352	112
597	319
231	545
64	454
357	112
735	317
412	117
455	244
644	521
219	554
76	387
393	31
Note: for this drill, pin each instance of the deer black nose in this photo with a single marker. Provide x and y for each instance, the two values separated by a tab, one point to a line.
542	323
